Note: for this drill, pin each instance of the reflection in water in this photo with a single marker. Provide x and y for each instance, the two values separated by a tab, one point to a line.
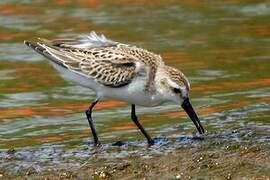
222	47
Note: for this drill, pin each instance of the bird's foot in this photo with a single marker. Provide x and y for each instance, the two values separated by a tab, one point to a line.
151	142
97	143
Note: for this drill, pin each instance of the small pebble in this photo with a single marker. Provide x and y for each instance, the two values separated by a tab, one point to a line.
178	176
102	174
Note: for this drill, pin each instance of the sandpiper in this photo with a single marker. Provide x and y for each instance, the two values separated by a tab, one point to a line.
119	71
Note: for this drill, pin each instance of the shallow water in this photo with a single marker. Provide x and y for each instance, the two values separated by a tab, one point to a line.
223	48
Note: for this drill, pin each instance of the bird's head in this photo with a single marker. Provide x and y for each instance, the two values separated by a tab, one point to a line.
175	87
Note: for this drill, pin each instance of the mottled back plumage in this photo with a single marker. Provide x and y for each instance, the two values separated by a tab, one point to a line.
110	63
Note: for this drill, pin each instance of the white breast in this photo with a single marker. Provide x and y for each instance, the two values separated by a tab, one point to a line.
134	93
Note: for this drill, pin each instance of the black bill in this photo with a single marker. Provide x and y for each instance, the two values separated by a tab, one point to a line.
193	116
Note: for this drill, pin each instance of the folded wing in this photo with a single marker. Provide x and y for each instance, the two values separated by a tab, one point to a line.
110	63
106	65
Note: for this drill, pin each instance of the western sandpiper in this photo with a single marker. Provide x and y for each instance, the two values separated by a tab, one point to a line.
119	71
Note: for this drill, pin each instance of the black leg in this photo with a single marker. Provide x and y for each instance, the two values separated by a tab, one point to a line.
88	113
135	120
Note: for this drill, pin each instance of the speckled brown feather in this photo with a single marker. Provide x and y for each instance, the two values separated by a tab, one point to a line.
105	65
110	63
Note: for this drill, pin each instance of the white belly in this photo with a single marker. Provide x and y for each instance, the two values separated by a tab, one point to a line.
133	93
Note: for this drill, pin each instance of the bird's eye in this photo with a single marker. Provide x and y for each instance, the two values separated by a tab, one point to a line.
176	90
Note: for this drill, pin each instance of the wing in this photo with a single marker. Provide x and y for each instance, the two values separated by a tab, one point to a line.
106	65
110	63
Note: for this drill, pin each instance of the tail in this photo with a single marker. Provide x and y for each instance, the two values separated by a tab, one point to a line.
36	46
